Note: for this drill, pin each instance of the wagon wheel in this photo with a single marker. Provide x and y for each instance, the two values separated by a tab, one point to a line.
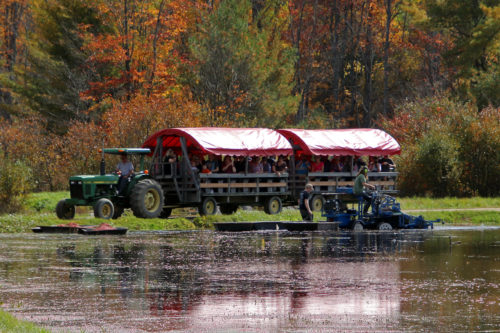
208	207
384	226
317	203
273	205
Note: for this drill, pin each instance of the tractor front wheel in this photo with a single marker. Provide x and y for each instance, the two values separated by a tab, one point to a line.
146	199
65	211
104	209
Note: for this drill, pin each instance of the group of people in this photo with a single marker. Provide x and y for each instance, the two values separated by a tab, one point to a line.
236	164
308	164
304	165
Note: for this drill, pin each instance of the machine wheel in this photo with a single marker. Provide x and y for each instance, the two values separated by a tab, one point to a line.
146	199
65	211
228	209
118	212
165	213
208	207
104	209
317	203
357	226
273	205
384	226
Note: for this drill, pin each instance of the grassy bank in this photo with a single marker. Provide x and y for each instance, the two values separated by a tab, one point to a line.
10	324
412	203
39	210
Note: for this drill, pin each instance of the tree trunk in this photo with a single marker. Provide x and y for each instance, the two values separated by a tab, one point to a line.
155	42
128	79
388	10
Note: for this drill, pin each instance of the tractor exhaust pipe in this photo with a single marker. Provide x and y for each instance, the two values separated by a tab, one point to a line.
103	163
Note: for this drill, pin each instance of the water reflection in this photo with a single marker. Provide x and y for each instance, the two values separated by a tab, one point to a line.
206	281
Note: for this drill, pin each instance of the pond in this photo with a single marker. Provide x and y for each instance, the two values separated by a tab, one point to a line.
440	280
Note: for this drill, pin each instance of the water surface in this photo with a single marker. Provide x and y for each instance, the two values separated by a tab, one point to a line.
441	280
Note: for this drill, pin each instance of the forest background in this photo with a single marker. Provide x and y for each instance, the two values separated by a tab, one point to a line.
79	74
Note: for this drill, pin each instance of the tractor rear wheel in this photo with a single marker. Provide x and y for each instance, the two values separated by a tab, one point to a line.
273	205
165	213
384	226
208	207
104	209
146	199
228	209
357	226
317	203
65	211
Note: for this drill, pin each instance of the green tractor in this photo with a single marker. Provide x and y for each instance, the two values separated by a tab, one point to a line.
142	194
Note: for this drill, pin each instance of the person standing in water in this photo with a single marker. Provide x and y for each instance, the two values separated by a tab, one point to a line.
305	208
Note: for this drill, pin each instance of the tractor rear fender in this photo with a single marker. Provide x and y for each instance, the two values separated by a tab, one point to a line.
137	178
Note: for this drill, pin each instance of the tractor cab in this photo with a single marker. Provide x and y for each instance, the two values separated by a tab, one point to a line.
101	191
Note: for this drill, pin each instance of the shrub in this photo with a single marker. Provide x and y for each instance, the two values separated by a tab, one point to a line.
448	148
430	167
15	183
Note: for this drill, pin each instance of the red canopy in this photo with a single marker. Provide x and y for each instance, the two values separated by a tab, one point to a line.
224	141
355	141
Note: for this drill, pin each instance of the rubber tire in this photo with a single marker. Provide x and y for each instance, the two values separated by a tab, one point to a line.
104	209
64	211
317	203
208	207
273	205
357	226
384	226
228	209
118	212
165	213
138	195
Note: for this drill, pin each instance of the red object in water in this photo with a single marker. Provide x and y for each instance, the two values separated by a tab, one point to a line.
103	226
353	141
223	141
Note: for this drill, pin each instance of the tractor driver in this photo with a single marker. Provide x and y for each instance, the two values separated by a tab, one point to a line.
359	184
125	169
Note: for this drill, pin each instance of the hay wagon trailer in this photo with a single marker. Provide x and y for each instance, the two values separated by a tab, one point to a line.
338	142
183	186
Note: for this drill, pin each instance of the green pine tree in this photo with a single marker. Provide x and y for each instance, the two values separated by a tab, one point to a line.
245	69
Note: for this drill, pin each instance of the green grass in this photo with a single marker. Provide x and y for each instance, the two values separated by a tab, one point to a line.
464	217
445	203
9	323
39	210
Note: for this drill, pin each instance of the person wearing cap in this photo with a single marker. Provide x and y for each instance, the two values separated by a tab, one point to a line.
305	208
125	169
359	188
